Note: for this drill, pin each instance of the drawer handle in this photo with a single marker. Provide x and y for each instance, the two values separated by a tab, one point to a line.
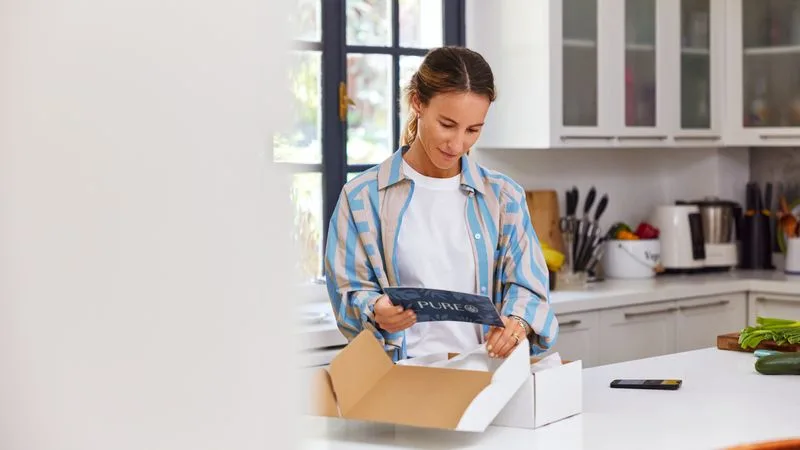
697	138
768	299
704	305
779	136
650	313
570	323
642	138
586	138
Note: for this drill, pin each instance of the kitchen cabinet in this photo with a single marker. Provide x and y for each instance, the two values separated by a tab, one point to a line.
699	85
637	332
763	62
578	338
700	320
772	305
601	73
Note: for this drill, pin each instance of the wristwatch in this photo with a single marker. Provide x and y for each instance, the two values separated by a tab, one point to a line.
523	323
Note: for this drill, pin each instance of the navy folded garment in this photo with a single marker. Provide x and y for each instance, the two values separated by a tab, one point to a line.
435	305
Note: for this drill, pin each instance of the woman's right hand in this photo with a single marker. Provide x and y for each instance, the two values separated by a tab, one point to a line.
392	318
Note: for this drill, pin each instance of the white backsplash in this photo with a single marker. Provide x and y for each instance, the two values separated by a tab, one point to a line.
776	165
635	179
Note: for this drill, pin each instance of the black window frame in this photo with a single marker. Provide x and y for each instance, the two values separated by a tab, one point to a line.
333	45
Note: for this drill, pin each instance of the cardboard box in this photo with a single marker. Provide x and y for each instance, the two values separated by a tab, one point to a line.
466	392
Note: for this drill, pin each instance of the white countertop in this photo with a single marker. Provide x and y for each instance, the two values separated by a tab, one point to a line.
605	294
722	402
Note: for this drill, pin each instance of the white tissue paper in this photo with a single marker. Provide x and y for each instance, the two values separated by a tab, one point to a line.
547	362
475	359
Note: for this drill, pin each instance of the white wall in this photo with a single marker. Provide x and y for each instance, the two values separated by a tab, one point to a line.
635	179
142	247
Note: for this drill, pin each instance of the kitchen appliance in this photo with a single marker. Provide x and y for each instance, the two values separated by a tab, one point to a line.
681	236
699	235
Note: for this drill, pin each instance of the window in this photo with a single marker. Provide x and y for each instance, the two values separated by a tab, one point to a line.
351	60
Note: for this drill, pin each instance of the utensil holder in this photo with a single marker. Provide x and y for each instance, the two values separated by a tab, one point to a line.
792	264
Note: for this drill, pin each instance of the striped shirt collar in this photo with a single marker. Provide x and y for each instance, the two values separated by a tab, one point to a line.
390	172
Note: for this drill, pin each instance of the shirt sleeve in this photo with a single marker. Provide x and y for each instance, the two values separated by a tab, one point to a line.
525	277
352	285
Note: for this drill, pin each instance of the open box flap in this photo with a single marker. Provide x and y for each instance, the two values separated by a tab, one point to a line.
357	369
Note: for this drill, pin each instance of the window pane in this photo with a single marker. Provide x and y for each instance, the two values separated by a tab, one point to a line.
369	125
307	200
369	22
640	63
695	64
421	23
408	65
770	59
305	22
301	144
579	90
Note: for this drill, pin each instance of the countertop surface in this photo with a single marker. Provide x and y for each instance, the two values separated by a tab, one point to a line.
722	402
600	295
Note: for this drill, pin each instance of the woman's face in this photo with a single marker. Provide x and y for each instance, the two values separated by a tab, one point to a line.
449	125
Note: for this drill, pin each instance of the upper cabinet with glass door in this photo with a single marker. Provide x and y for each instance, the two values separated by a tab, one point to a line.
600	73
763	57
700	84
550	64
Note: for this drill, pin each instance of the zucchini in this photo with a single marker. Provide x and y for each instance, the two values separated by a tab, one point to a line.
781	364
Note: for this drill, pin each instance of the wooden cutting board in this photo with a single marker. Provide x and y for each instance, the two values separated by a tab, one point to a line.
730	341
544	212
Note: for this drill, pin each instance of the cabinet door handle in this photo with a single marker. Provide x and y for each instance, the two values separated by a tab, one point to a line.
704	305
570	323
650	313
778	136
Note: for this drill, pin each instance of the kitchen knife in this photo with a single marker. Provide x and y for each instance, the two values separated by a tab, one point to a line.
750	201
568	225
768	200
759	205
767	211
597	253
575	223
583	227
592	235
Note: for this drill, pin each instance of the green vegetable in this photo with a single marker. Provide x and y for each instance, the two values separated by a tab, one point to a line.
782	331
781	364
617	228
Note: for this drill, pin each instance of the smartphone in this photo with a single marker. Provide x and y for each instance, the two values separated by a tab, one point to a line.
666	385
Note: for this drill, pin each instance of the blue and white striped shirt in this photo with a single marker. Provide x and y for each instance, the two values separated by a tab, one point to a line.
361	257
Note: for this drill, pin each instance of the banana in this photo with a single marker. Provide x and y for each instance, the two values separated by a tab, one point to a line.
552	257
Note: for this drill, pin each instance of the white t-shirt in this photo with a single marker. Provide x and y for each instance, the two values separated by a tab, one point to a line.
434	251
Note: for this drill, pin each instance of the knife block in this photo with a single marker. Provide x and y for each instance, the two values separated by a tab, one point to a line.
545	217
755	242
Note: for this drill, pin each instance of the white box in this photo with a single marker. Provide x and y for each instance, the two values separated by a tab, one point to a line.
362	383
551	392
547	396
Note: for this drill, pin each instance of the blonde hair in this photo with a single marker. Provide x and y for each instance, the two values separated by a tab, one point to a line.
446	69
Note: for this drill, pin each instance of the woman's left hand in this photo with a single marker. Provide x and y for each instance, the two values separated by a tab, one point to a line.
500	342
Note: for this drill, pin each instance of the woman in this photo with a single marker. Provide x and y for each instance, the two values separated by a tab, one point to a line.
429	216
